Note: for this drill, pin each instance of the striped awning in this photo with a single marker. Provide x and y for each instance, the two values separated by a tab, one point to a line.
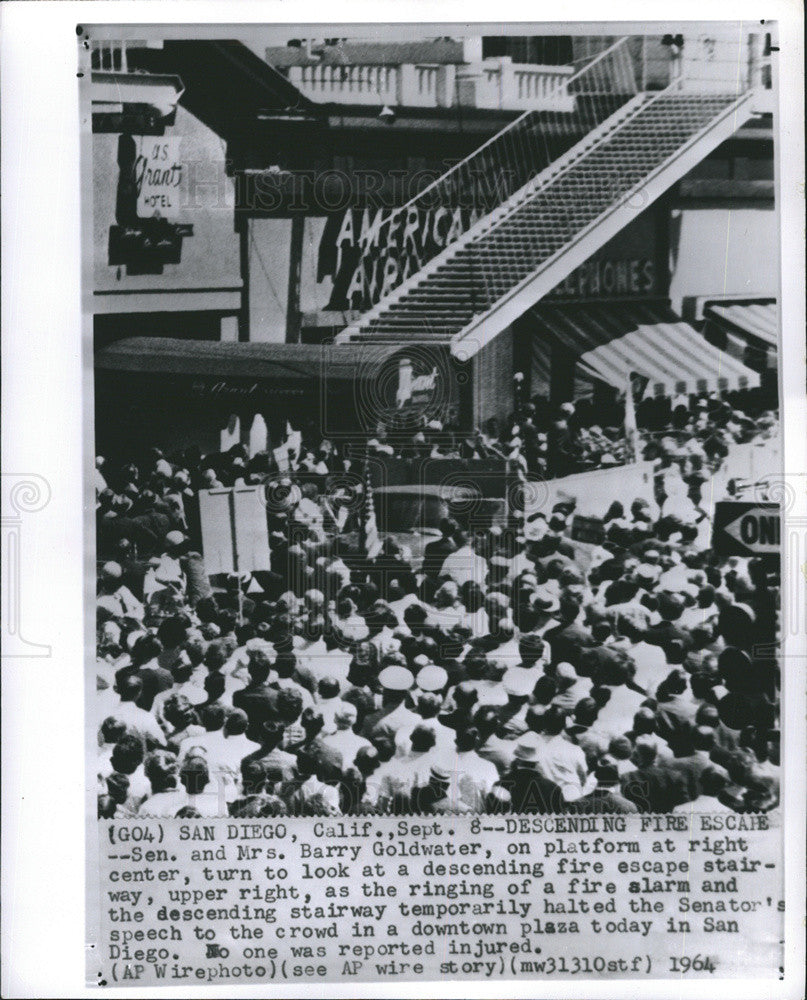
613	340
757	319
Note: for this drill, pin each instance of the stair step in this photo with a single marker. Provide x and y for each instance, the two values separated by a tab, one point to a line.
529	227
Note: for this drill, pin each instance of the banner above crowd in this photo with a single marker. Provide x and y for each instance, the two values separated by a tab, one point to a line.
367	254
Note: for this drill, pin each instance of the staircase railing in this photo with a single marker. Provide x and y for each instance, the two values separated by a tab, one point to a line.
489	276
505	163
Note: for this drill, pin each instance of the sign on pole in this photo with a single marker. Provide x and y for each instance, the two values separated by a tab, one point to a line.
235	535
745	528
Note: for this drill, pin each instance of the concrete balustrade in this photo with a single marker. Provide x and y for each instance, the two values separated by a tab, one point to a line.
496	84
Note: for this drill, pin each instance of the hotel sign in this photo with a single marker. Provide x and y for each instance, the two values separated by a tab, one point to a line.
158	174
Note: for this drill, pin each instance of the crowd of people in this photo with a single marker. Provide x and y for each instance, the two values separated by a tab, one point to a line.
509	670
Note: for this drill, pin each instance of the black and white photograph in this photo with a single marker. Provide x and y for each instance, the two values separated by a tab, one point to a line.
437	424
441	562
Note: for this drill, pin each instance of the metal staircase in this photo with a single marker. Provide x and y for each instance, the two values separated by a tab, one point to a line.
551	219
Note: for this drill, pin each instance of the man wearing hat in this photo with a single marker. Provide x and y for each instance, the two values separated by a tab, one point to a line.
435	797
571	688
436	553
430	678
121	602
530	790
343	744
518	684
607	796
396	681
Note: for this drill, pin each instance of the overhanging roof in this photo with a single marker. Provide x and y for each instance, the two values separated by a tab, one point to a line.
171	356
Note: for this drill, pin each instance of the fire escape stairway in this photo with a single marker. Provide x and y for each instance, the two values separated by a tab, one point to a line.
538	234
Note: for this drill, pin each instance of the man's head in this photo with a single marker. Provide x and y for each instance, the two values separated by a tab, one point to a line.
645	722
236	722
178	711
146	648
467	739
212	717
345	716
161	770
253	776
422	739
216	655
271	734
312	722
112	730
328	688
127	754
606	773
620	748
713	780
429	705
554	720
194	774
259	666
367	761
644	752
585	712
129	688
172	632
703	738
289	705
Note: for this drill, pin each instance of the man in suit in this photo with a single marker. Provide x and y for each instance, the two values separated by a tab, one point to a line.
435	553
257	698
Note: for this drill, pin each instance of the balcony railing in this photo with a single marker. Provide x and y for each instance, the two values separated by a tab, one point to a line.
495	84
505	85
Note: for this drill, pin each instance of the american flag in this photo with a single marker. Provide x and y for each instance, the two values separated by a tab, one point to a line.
370	542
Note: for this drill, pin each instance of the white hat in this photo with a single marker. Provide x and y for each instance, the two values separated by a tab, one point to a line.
518	682
432	678
396	678
527	747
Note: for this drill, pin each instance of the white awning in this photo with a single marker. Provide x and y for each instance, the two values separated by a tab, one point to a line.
613	340
758	319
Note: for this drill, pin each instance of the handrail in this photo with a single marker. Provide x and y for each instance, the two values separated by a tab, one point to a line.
742	96
498	136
